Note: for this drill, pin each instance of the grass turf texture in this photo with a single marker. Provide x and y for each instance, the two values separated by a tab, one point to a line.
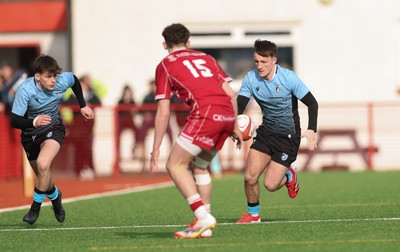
334	211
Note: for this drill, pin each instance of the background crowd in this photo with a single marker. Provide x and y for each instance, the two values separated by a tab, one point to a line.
136	117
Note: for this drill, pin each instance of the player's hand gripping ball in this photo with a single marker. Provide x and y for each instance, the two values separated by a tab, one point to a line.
246	126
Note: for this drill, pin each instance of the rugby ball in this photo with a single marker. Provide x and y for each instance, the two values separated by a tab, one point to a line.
246	126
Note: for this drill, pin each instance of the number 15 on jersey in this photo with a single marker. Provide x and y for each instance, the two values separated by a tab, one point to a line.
196	67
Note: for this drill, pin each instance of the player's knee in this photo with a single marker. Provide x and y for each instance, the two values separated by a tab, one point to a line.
271	187
250	179
174	165
169	165
43	165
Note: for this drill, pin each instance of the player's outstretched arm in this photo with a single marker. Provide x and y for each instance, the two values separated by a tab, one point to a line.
310	135
312	104
236	134
87	113
161	124
21	122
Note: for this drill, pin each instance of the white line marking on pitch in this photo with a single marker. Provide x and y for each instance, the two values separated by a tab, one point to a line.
99	195
180	225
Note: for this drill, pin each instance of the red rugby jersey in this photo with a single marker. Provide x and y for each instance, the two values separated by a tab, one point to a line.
195	77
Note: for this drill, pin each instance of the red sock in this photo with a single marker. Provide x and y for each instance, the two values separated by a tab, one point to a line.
197	206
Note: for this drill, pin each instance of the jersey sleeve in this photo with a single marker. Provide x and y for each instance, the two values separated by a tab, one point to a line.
66	79
299	89
20	104
245	89
163	90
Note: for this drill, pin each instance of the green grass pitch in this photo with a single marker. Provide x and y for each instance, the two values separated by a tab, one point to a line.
334	211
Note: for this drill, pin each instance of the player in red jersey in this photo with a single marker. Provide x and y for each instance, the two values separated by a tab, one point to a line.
198	80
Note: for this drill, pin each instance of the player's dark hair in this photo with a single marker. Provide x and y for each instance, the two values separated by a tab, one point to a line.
265	48
45	63
175	34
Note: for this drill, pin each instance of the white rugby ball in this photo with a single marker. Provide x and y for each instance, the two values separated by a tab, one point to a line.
246	126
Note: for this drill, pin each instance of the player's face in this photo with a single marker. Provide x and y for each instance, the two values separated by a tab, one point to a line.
264	64
46	81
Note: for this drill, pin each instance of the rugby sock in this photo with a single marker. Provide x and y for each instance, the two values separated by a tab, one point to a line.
52	194
38	197
197	206
288	176
208	207
203	181
253	208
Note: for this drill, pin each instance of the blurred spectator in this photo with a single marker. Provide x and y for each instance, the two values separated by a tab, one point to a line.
180	109
80	131
9	81
216	167
147	123
98	88
126	115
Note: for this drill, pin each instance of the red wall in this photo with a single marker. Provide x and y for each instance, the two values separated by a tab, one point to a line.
10	149
33	16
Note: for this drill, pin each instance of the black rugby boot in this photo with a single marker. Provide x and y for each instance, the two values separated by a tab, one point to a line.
58	209
33	213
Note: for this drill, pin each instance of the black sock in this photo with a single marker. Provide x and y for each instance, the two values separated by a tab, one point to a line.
51	191
36	204
253	204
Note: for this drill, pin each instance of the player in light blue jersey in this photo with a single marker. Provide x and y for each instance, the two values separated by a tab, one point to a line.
35	112
277	91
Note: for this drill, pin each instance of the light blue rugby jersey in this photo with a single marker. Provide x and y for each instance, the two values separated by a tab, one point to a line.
30	101
277	98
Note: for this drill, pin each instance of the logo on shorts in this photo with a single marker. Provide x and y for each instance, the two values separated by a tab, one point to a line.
49	134
205	140
278	88
33	138
223	118
284	156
